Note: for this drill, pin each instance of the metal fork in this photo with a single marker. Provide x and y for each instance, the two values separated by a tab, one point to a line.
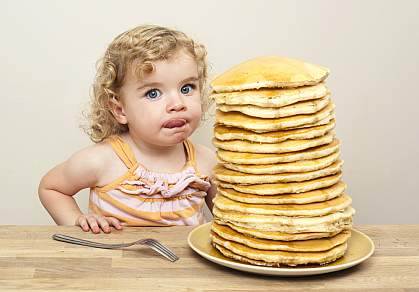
150	242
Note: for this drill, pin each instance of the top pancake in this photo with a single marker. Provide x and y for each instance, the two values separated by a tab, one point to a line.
269	72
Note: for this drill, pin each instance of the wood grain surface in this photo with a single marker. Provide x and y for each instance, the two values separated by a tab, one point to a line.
31	261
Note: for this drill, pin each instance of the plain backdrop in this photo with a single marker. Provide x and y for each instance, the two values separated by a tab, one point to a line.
49	49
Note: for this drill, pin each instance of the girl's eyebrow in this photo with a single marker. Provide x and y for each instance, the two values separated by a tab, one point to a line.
193	78
151	84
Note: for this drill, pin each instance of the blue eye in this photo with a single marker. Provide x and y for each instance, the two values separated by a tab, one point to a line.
153	94
186	89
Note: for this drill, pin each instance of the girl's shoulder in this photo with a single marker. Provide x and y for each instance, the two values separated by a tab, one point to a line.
94	158
205	159
95	153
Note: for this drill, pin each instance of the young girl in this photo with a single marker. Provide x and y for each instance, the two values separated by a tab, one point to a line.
143	171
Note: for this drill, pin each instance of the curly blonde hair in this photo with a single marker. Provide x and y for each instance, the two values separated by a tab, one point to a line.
143	44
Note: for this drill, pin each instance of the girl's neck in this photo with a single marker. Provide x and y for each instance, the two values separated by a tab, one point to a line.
144	149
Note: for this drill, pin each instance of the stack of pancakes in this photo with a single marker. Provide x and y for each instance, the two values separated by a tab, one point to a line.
280	198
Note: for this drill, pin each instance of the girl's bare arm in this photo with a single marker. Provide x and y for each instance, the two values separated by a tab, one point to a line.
60	184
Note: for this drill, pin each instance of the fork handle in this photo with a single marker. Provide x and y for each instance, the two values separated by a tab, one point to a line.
79	241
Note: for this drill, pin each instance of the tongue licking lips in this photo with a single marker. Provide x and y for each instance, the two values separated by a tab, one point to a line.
174	123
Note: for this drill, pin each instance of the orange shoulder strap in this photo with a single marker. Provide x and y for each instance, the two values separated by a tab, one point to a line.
123	150
190	150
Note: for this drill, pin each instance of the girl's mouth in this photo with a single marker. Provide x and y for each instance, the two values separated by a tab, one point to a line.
174	123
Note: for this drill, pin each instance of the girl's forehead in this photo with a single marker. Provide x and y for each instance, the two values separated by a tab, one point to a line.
181	65
178	57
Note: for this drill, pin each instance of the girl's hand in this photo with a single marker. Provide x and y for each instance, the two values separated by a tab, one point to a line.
96	222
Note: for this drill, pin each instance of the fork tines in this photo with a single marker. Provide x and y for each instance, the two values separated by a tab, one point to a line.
163	250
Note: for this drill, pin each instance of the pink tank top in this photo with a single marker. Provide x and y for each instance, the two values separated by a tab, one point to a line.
145	198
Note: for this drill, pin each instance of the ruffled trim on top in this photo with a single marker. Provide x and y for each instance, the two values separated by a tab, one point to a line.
166	185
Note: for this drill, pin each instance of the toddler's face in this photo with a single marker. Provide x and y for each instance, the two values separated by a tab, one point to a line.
164	107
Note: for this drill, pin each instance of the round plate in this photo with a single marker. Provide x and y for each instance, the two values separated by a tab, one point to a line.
360	248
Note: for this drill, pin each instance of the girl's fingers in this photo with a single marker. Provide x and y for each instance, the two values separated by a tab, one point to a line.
103	223
114	222
93	224
82	222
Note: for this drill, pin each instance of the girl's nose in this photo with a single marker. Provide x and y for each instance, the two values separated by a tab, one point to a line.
176	103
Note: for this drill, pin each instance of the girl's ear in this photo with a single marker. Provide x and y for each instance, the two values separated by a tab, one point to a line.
117	109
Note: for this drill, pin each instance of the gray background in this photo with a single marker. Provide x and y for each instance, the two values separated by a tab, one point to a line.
49	49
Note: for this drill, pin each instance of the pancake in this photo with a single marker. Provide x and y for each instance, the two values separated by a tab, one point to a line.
310	245
324	121
231	176
261	125
269	72
276	258
231	133
272	97
275	235
283	188
318	195
281	147
296	166
299	108
328	223
328	227
300	210
269	158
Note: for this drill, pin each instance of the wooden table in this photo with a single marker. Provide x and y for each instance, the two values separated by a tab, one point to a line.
31	260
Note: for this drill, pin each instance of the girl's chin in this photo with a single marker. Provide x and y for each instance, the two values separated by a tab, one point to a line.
179	137
171	139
